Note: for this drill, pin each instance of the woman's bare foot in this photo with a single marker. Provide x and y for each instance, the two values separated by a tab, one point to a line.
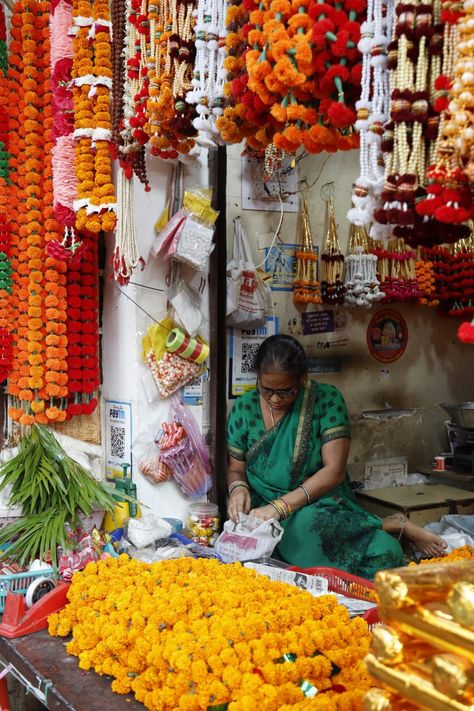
424	541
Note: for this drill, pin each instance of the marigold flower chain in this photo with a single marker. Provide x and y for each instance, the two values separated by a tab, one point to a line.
193	634
6	351
92	74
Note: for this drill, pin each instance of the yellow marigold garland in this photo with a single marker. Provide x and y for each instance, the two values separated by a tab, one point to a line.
196	634
92	75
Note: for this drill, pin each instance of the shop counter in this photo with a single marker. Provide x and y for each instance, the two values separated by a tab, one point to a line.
43	661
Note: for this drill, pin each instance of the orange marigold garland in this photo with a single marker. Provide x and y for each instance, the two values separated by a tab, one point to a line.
92	74
5	235
39	305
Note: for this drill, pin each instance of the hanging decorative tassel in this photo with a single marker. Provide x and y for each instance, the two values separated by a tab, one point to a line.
332	262
305	284
396	269
362	285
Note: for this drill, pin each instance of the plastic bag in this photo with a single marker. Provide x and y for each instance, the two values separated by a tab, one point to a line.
147	454
187	306
248	539
248	297
183	449
164	242
141	532
194	244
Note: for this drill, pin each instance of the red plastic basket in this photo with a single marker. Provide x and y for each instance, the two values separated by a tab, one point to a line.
346	584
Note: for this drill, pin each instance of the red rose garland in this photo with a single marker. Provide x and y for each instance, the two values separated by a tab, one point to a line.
83	328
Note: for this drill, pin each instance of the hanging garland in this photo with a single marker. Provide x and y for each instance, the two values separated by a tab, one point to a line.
64	178
92	75
372	114
446	205
83	328
301	75
6	352
207	94
36	361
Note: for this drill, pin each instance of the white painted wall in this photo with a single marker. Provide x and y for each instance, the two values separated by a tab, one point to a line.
124	324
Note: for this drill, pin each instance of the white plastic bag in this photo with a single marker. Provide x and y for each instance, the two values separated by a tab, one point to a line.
248	539
248	297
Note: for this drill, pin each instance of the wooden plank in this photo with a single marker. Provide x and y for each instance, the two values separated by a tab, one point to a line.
417	497
40	657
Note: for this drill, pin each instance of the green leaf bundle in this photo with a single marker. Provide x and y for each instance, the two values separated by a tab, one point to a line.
51	489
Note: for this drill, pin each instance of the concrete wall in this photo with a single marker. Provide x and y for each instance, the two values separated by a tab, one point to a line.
435	367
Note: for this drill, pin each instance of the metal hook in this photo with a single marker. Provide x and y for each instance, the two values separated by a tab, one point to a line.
327	190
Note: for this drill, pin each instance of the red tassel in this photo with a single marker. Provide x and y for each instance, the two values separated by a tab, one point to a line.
466	332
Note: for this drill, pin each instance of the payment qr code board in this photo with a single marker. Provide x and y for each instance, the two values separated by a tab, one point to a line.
118	436
249	351
243	346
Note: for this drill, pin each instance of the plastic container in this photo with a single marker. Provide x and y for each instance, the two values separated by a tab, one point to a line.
203	523
349	585
175	524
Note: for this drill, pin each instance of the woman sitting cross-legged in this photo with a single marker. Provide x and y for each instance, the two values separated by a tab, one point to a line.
288	445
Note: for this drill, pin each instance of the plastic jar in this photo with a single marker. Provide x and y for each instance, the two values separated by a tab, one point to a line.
203	523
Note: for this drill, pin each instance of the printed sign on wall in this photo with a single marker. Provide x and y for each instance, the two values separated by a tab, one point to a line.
242	348
118	436
387	335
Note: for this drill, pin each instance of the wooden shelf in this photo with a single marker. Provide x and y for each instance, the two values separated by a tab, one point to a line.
447	474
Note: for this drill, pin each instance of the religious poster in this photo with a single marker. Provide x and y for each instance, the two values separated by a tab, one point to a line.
387	335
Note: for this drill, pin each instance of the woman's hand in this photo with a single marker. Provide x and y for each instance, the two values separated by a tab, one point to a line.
239	502
265	513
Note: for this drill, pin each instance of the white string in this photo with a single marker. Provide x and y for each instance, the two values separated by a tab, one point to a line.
42	696
275	236
126	249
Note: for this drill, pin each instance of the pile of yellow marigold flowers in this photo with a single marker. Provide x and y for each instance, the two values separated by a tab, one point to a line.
462	553
196	634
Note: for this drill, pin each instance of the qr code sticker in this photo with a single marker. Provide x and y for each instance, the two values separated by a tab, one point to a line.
117	442
249	351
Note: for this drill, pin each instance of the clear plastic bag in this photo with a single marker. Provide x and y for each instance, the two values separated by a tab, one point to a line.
183	449
171	372
194	244
147	454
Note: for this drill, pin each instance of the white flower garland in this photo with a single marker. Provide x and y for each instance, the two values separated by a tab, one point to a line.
372	109
209	73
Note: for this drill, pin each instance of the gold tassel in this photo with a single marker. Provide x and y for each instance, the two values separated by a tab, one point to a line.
305	283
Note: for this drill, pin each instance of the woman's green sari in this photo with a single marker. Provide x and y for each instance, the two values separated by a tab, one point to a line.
334	530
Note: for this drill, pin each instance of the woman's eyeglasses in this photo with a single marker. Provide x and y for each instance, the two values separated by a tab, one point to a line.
267	393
